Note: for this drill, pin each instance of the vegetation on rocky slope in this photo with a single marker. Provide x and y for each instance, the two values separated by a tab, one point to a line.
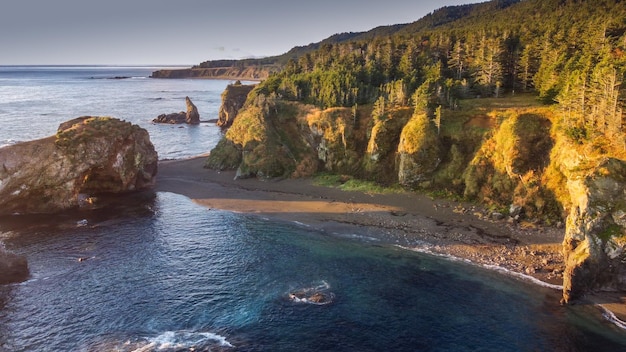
399	106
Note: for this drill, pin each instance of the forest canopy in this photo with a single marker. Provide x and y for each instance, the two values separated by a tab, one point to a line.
492	49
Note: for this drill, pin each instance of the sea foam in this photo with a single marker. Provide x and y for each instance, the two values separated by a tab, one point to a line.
178	340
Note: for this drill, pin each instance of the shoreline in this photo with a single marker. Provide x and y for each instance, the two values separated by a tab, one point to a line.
412	221
217	78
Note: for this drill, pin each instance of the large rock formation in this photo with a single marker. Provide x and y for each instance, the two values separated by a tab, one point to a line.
191	116
88	156
13	267
419	151
594	247
233	99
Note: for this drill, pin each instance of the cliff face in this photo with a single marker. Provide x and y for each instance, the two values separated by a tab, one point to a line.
87	157
595	235
233	98
252	73
513	160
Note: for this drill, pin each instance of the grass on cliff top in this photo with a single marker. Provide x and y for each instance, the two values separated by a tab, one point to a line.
348	183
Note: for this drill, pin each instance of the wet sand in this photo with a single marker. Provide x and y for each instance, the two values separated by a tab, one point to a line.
413	221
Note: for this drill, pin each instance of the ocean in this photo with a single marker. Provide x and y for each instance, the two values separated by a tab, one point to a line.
154	271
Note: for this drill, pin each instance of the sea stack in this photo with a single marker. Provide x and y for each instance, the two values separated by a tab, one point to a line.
192	117
233	99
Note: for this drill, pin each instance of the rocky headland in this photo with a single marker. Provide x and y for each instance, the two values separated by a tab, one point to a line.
191	116
250	73
233	98
88	156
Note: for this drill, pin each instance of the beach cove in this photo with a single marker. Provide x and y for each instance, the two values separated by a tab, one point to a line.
412	221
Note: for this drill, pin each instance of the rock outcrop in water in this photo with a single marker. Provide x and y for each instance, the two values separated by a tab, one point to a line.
88	156
13	267
191	116
233	99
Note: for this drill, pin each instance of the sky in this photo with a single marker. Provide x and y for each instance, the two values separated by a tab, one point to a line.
184	32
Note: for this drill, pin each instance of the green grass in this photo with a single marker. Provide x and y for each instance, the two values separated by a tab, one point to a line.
347	183
611	231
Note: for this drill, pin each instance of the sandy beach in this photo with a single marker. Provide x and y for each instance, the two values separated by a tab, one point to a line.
410	220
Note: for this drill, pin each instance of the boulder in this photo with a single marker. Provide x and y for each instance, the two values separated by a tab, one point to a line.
88	156
191	116
13	267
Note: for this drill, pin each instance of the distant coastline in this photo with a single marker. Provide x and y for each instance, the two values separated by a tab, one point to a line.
249	73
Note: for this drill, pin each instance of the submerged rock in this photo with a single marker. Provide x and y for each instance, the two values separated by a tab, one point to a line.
191	116
88	156
13	268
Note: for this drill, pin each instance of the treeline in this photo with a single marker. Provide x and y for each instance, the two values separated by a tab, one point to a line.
570	52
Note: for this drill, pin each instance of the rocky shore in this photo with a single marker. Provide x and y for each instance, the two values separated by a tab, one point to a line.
409	220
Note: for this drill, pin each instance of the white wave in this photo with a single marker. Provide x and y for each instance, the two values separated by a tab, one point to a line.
7	142
316	295
523	277
427	250
356	236
177	340
301	224
611	317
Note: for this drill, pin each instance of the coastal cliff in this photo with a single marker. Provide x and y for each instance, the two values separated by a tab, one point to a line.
252	73
88	156
510	156
233	98
594	246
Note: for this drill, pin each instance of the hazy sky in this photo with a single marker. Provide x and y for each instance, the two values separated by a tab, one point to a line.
185	32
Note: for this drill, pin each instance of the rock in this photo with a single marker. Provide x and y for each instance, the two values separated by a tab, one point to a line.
173	118
13	267
233	99
594	247
380	157
515	211
497	216
191	117
88	156
419	151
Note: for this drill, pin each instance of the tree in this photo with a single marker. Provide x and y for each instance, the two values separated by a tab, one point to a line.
438	119
456	61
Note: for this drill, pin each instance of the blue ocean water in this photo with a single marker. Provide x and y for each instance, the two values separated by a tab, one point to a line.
156	272
34	100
